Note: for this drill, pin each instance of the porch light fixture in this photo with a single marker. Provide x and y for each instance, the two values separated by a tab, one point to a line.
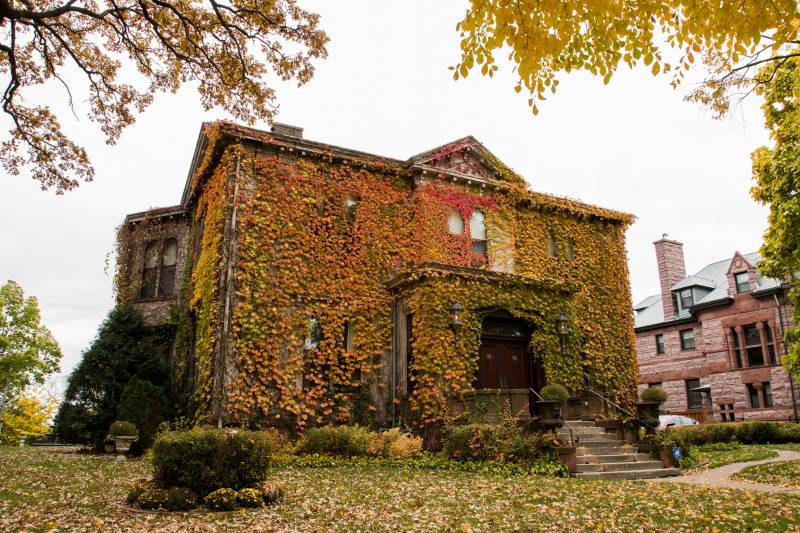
562	327
455	322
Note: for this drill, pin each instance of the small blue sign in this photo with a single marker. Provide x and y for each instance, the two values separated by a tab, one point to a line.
676	453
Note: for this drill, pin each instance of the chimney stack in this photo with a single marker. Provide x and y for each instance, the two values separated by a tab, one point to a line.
671	269
287	129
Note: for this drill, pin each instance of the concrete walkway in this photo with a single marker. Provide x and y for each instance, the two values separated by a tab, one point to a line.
719	477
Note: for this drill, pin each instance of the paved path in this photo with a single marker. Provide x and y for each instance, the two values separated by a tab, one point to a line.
719	477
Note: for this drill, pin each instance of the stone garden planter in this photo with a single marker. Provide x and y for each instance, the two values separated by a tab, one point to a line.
550	411
647	413
568	456
123	446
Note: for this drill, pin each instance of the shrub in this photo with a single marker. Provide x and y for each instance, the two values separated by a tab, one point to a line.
482	442
143	404
755	432
137	489
221	500
654	394
394	444
339	441
152	498
123	428
205	460
554	392
250	498
271	492
180	499
405	447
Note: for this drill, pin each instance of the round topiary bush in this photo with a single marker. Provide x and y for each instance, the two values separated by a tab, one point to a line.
249	498
123	428
180	499
654	394
221	500
271	492
152	498
554	392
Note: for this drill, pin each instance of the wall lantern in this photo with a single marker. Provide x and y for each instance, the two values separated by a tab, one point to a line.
455	322
562	328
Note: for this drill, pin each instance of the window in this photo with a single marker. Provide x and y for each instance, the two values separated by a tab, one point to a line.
166	281
694	398
477	230
742	282
659	344
737	350
569	249
767	388
686	298
753	393
314	334
752	345
687	339
551	245
455	224
770	343
410	376
726	412
349	335
350	207
150	272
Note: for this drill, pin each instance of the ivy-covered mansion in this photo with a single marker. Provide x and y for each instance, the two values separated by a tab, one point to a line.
310	284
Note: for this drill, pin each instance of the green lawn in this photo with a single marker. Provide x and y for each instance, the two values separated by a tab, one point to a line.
42	489
784	473
716	455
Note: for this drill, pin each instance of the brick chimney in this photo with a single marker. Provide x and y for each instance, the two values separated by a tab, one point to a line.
671	269
287	129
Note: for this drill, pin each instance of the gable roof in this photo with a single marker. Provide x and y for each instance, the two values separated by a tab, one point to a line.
714	276
464	160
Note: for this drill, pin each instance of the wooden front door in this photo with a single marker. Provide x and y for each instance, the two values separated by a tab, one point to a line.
504	359
503	365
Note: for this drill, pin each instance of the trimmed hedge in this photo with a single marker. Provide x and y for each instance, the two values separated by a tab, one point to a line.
205	460
756	432
554	392
338	441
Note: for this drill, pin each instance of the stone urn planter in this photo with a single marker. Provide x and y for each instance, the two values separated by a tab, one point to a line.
647	408
123	445
123	434
550	413
549	407
568	456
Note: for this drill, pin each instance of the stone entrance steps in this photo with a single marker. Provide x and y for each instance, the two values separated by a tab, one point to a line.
601	455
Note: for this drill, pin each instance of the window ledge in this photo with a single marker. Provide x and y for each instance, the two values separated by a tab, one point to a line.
156	299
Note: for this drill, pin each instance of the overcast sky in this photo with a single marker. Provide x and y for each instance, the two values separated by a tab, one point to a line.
633	145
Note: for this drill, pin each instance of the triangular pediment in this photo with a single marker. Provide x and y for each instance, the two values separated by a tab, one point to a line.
465	156
739	263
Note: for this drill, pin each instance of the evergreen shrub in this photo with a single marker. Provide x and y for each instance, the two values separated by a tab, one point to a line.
554	392
654	394
205	460
337	441
143	404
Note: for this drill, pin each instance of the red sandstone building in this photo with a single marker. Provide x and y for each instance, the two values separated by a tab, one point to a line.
713	340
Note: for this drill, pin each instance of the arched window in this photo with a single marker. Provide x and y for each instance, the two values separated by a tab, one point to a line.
166	282
150	272
455	224
477	230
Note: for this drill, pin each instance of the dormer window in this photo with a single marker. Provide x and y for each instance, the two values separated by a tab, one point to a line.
686	298
742	280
